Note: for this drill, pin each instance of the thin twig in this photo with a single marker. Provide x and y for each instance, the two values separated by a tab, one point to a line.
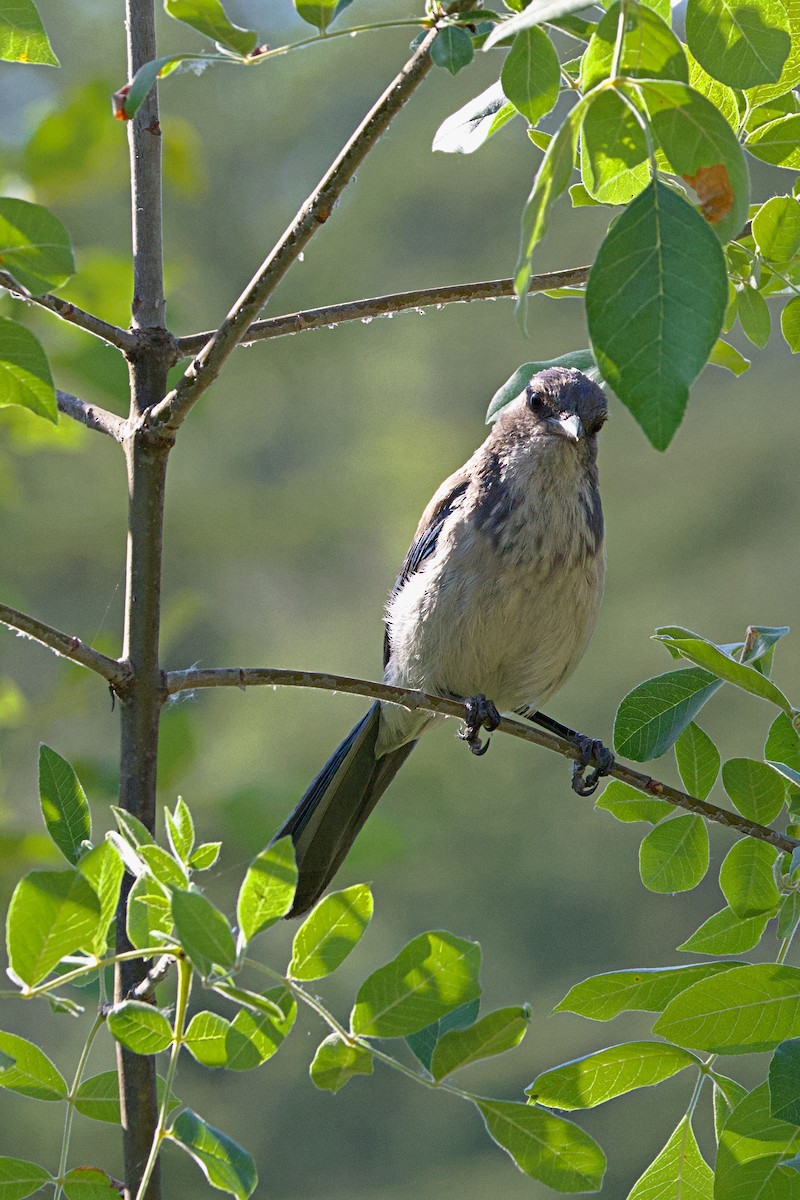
244	677
383	306
204	369
117	673
123	339
92	416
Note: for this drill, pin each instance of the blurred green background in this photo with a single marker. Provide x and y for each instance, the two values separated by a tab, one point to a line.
293	493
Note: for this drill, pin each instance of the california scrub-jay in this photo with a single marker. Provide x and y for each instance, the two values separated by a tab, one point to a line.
497	597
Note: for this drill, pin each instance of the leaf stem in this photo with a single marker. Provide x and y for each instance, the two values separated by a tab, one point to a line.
178	1029
71	1095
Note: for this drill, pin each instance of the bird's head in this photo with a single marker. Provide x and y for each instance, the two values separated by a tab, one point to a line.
563	402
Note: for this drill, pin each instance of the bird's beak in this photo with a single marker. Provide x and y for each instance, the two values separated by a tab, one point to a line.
569	427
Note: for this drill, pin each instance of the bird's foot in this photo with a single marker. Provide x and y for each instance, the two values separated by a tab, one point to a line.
480	714
592	754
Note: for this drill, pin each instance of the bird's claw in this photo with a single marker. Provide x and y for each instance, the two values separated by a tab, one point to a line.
592	754
480	714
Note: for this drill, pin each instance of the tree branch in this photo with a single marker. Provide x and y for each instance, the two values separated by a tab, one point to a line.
123	339
92	416
244	677
381	306
204	369
116	672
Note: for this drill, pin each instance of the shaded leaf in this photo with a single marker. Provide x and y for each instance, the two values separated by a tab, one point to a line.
434	973
649	989
776	228
596	1078
790	324
224	1163
180	830
149	913
534	14
423	1043
752	1145
544	1146
336	1062
452	49
140	1027
19	1178
778	142
268	889
627	803
209	17
25	378
678	1173
753	313
784	1082
744	675
747	878
90	1183
755	789
102	868
51	914
648	48
493	1034
652	716
64	805
205	1038
22	35
531	75
581	360
203	931
744	1010
31	1073
743	44
614	165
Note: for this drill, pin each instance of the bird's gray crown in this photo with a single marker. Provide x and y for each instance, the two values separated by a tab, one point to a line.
559	390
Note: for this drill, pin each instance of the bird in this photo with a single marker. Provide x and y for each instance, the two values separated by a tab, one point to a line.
494	605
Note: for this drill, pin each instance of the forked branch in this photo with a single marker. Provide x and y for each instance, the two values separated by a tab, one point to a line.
244	677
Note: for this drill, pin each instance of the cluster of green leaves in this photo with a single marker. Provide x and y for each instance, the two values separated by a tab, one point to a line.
654	119
60	935
722	1006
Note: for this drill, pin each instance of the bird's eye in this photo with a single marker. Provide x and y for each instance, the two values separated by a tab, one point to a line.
534	399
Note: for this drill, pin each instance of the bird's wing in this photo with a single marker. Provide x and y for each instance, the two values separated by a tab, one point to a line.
446	499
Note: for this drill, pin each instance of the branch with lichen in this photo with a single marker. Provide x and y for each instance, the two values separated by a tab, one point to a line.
244	677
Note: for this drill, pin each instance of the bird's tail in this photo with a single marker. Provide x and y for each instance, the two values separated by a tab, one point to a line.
327	820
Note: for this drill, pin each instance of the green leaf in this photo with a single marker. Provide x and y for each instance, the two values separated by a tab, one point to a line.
695	137
727	356
32	1073
493	1034
25	378
180	830
544	1146
725	933
209	17
551	180
144	79
698	760
452	49
149	913
674	856
596	1078
743	44
783	742
655	713
727	1094
434	973
98	1097
205	856
747	878
225	1164
752	1146
254	1037
90	1183
614	165
753	314
167	870
34	246
678	1173
655	302
268	889
784	1082
336	1062
534	14
581	360
140	1027
19	1178
720	95
747	1009
203	931
319	13
423	1043
64	805
22	35
132	828
649	989
467	129
332	930
531	75
790	324
51	914
697	650
627	803
102	869
648	49
788	915
205	1038
755	788
778	142
776	228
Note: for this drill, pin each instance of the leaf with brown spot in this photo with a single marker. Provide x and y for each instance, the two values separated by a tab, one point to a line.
714	191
